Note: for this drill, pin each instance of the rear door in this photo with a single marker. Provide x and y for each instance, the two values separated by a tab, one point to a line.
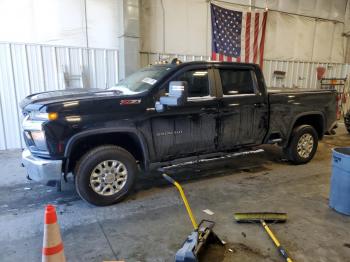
189	129
243	109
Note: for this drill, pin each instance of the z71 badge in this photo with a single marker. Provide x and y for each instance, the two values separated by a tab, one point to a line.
130	102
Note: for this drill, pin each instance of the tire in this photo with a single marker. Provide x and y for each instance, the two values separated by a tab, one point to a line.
306	150
110	168
347	122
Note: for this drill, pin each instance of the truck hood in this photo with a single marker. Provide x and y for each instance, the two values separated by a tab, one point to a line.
45	98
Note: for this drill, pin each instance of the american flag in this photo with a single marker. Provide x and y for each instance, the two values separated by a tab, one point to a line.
238	36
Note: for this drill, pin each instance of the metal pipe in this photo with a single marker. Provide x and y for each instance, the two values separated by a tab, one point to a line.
274	10
42	68
86	26
19	128
332	42
2	120
106	68
54	53
163	17
27	66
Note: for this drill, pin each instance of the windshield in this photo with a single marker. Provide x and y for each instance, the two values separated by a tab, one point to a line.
141	81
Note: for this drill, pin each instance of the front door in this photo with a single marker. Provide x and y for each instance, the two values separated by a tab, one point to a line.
190	129
243	109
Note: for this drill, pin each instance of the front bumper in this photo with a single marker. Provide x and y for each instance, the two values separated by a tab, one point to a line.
45	171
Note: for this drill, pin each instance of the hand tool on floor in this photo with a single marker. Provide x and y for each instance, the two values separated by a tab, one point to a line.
263	218
202	236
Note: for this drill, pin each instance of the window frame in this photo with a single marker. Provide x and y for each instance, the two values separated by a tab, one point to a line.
211	79
237	68
196	97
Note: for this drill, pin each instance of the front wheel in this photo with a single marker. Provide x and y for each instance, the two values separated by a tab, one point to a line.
105	175
303	144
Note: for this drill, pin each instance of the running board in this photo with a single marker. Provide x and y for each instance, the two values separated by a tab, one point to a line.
274	141
205	160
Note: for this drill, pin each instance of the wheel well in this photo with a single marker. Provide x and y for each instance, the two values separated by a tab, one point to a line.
128	141
316	121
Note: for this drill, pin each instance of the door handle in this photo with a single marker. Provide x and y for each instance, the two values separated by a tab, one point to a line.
259	105
209	110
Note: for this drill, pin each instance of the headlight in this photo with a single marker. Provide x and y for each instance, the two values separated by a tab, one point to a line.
39	140
35	115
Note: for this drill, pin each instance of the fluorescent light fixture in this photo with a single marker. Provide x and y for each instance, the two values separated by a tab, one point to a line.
200	73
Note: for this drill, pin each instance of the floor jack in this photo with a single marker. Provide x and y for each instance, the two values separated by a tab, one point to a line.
200	238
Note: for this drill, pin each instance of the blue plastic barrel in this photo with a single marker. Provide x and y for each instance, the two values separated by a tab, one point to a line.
339	198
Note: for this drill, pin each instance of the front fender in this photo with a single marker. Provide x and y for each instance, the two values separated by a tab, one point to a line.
81	135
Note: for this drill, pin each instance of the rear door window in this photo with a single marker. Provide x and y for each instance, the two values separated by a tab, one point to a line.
237	81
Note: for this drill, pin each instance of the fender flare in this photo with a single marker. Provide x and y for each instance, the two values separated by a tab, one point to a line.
77	137
298	116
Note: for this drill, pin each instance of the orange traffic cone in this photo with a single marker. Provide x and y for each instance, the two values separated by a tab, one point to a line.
52	244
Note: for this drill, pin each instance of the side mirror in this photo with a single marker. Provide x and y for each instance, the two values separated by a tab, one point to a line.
177	96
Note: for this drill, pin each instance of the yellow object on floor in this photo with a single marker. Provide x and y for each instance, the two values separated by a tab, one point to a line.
262	218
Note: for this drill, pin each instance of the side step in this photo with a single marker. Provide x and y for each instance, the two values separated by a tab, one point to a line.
205	160
274	141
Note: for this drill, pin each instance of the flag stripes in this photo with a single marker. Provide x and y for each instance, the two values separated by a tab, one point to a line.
252	27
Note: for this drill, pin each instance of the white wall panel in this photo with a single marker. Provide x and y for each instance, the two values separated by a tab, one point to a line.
289	37
27	68
102	23
176	39
186	26
326	9
60	22
183	27
338	51
324	40
151	26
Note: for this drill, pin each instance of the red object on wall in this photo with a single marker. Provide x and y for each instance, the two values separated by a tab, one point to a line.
320	72
344	98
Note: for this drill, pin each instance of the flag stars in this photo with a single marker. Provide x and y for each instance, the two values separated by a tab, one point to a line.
226	31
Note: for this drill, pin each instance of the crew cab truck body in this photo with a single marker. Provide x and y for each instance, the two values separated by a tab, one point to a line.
162	115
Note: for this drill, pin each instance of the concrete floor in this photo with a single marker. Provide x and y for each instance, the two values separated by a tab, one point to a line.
152	223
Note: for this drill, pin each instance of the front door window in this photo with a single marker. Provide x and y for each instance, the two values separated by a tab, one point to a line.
198	82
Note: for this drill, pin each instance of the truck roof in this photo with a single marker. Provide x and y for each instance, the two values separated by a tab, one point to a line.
181	64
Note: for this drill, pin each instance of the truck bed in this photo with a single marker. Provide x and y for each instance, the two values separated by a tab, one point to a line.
288	104
286	90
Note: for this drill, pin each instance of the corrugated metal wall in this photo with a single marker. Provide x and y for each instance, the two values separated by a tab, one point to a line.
297	74
29	68
300	74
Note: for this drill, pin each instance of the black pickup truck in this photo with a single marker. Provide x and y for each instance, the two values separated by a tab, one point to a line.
163	115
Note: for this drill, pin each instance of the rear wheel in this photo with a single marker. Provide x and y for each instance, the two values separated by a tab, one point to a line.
303	144
105	175
347	121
